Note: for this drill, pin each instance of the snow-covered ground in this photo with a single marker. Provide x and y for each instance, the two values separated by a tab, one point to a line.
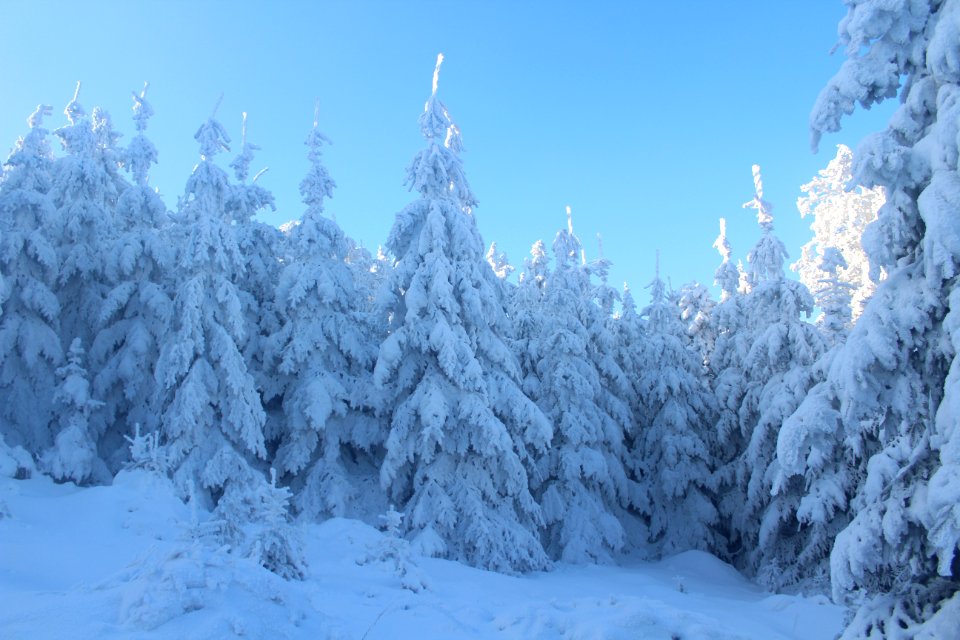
119	562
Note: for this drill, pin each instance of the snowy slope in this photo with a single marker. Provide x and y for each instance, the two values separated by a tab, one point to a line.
118	562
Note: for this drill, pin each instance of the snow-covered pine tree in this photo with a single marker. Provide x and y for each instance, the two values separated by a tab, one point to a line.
582	485
211	414
137	310
896	384
675	446
394	550
259	243
630	355
460	424
725	369
86	185
840	212
777	372
616	392
74	454
527	304
321	356
604	348
30	349
253	517
813	470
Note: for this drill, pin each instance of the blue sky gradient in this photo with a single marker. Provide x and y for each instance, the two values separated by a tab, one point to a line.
644	117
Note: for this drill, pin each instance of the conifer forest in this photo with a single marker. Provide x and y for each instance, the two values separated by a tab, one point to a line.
798	420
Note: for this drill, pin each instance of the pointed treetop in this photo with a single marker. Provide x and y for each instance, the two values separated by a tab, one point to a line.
241	164
212	136
656	286
317	185
565	244
768	255
727	275
141	153
315	140
216	106
538	252
763	207
102	126
36	118
573	242
435	122
73	110
535	266
627	304
436	73
141	108
721	244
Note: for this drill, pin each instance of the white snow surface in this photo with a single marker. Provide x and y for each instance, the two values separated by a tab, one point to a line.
117	562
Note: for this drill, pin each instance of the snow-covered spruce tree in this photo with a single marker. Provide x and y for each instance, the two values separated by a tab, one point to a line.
321	356
777	372
527	303
259	243
393	549
85	188
677	419
460	424
813	469
581	482
30	349
840	211
137	310
211	414
630	355
725	369
894	390
615	388
74	455
255	520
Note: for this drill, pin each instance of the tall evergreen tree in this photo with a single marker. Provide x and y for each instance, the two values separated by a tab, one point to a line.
85	190
259	243
322	356
582	484
211	414
137	310
780	349
528	317
675	447
891	402
30	349
615	388
726	369
460	424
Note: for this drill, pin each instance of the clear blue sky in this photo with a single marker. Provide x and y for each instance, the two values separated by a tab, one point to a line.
644	117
